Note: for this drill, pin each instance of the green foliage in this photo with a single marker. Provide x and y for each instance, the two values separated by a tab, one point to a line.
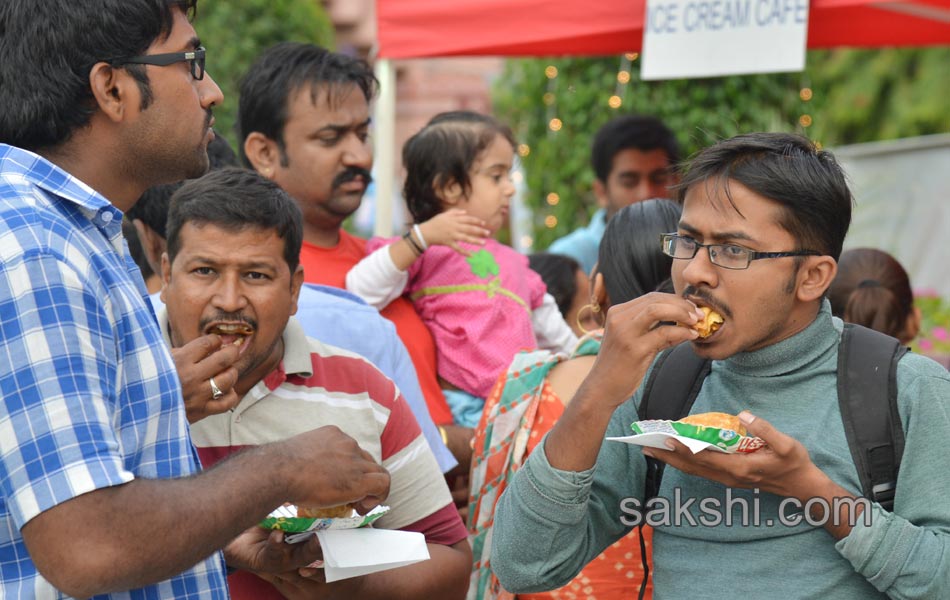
934	337
857	96
235	32
700	111
869	95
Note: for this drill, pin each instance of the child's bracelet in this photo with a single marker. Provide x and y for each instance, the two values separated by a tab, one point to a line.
412	243
422	240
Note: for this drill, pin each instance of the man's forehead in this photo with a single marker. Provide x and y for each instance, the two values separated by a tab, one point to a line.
195	234
720	204
331	96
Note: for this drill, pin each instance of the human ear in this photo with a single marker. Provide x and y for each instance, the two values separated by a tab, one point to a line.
113	89
912	327
598	291
296	281
450	193
815	276
153	245
166	276
600	192
263	153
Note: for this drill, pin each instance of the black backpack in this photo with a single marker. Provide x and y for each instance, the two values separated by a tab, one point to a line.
867	398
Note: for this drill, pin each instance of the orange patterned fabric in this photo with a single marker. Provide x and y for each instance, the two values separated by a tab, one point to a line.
520	409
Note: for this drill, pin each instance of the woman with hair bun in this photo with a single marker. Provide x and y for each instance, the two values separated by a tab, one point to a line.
872	289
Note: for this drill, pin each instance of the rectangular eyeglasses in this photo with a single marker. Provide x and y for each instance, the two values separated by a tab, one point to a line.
727	256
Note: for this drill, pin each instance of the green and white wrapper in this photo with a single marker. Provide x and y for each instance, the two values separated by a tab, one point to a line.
285	519
654	434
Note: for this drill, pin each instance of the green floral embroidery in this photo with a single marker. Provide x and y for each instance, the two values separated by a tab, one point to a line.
483	264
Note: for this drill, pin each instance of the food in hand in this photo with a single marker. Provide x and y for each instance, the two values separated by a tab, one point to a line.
710	323
716	419
333	512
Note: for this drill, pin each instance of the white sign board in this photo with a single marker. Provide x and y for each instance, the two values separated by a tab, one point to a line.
709	38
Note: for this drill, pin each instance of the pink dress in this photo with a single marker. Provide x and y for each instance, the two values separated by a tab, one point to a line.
478	309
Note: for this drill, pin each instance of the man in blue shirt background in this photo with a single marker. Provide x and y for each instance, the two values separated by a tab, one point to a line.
634	159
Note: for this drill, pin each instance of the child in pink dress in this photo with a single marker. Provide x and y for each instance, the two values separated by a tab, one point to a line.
478	296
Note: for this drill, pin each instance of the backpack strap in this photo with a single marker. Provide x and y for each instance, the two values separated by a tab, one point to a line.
672	387
867	398
669	393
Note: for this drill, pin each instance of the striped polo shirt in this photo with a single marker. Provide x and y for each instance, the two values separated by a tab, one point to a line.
317	385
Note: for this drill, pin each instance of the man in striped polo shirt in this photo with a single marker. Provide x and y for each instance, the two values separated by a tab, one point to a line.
232	267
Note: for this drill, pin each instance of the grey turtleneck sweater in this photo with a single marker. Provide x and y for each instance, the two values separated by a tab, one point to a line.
550	523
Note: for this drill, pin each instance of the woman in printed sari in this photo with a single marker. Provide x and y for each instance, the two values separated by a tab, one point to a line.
530	396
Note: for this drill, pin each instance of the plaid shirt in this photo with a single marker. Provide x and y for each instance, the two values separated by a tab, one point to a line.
89	396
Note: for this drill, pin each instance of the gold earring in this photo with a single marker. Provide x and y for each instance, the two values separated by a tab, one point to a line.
594	309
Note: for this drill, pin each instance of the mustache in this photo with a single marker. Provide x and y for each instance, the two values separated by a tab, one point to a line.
229	317
706	297
208	117
350	174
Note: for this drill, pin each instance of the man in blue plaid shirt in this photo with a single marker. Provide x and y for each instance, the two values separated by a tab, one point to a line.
99	494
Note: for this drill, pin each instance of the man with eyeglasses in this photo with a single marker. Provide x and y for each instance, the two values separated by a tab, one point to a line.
99	490
763	223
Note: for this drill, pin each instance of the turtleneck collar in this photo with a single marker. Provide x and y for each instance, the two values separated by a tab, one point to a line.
792	354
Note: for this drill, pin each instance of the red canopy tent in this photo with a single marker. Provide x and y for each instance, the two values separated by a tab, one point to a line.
430	28
426	28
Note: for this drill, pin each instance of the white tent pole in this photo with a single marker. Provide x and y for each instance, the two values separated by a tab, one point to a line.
384	137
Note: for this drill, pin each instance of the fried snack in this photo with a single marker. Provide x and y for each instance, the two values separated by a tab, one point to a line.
718	420
710	323
333	512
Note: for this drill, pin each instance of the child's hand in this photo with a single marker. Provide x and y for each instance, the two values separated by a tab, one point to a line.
453	226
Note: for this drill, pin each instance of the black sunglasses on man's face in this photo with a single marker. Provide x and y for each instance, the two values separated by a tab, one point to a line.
195	58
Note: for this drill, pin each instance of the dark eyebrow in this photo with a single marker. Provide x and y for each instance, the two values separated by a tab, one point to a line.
193	44
722	235
344	128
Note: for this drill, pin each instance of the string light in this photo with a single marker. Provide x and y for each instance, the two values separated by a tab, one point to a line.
517	177
555	124
631	56
550	221
550	71
615	102
553	198
548	98
804	120
524	150
527	241
623	76
805	94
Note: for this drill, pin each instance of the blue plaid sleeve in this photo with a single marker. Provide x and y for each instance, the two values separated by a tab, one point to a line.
57	374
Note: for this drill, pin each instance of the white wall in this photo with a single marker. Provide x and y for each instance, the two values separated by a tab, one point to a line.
902	193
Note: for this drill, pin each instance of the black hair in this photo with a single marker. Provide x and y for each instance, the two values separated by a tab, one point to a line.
790	170
442	152
152	206
48	49
135	249
630	257
638	132
559	273
872	289
236	199
270	84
